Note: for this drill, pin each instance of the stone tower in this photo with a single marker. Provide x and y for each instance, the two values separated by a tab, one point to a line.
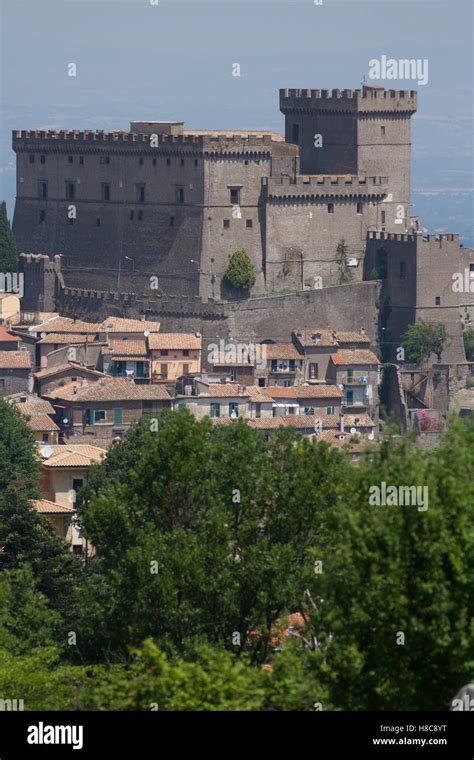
364	133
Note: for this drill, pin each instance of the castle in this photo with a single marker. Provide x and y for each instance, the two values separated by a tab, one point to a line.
172	204
144	223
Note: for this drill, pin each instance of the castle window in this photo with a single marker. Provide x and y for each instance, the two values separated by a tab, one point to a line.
438	301
70	190
179	195
43	188
32	159
140	161
140	215
168	162
295	133
98	221
70	159
81	159
359	208
246	162
330	208
402	270
140	193
234	195
171	221
249	223
226	224
182	162
382	130
382	217
42	217
196	162
132	214
105	191
43	159
154	162
105	159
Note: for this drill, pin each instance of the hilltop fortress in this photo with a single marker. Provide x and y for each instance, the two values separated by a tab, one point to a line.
149	219
161	201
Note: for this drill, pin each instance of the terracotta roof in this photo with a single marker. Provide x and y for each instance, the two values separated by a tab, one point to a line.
305	391
282	351
123	325
341	440
221	390
352	337
363	420
317	336
68	455
174	341
257	394
40	421
6	336
74	338
58	324
133	347
299	421
40	406
47	507
15	360
50	371
359	356
110	389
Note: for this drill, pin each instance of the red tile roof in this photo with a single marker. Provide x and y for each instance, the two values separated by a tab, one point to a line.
41	422
47	507
305	391
359	356
281	351
6	336
110	389
174	341
122	325
15	360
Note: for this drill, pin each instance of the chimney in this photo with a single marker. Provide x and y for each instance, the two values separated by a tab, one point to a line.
74	388
362	330
341	422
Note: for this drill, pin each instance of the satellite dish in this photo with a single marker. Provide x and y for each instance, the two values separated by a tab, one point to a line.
146	333
65	420
371	436
353	430
43	335
46	452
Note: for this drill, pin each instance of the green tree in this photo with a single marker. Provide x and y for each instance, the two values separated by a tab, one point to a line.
394	607
27	537
468	337
423	339
8	253
345	273
240	272
210	531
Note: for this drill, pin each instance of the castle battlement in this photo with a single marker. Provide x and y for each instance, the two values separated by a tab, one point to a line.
449	237
368	99
40	139
344	185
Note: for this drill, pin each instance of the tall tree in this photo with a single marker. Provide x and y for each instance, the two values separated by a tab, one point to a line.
8	252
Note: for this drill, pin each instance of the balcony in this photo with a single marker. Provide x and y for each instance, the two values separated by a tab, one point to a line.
364	403
355	379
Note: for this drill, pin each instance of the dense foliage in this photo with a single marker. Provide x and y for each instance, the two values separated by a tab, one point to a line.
207	538
8	252
240	272
423	339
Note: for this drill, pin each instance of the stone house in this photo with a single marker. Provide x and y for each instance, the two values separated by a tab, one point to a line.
15	368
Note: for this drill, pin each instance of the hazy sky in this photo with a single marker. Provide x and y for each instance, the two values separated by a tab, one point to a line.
174	60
